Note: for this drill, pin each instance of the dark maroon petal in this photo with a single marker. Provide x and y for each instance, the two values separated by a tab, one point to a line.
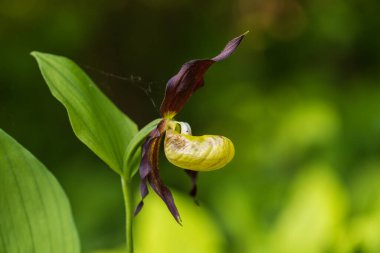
150	173
229	48
164	193
146	164
144	170
190	78
193	176
144	192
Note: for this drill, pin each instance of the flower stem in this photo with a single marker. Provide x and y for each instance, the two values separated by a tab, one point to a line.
128	203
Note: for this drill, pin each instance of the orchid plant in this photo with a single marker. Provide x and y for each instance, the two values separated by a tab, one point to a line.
43	222
192	153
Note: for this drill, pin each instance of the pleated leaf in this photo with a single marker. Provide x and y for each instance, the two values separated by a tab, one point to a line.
96	121
35	215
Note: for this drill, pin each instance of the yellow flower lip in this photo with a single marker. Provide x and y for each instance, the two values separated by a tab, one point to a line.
198	153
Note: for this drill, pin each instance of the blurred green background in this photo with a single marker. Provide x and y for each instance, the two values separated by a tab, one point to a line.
300	99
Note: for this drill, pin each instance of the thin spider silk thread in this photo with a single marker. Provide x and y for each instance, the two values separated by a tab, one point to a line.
136	81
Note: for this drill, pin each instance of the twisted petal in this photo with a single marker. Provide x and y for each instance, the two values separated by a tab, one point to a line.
189	78
193	176
149	172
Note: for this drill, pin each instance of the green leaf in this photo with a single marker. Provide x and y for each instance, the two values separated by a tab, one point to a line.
96	121
35	215
133	152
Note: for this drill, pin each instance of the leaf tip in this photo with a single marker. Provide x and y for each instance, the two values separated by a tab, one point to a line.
34	53
37	55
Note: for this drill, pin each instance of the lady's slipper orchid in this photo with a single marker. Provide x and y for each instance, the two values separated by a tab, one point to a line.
192	153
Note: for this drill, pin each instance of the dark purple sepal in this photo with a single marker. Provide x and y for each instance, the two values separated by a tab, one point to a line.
149	172
194	189
190	78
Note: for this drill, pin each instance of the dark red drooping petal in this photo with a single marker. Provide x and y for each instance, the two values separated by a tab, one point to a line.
193	176
189	78
149	172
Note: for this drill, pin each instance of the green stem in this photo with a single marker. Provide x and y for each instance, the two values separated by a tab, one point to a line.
128	202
